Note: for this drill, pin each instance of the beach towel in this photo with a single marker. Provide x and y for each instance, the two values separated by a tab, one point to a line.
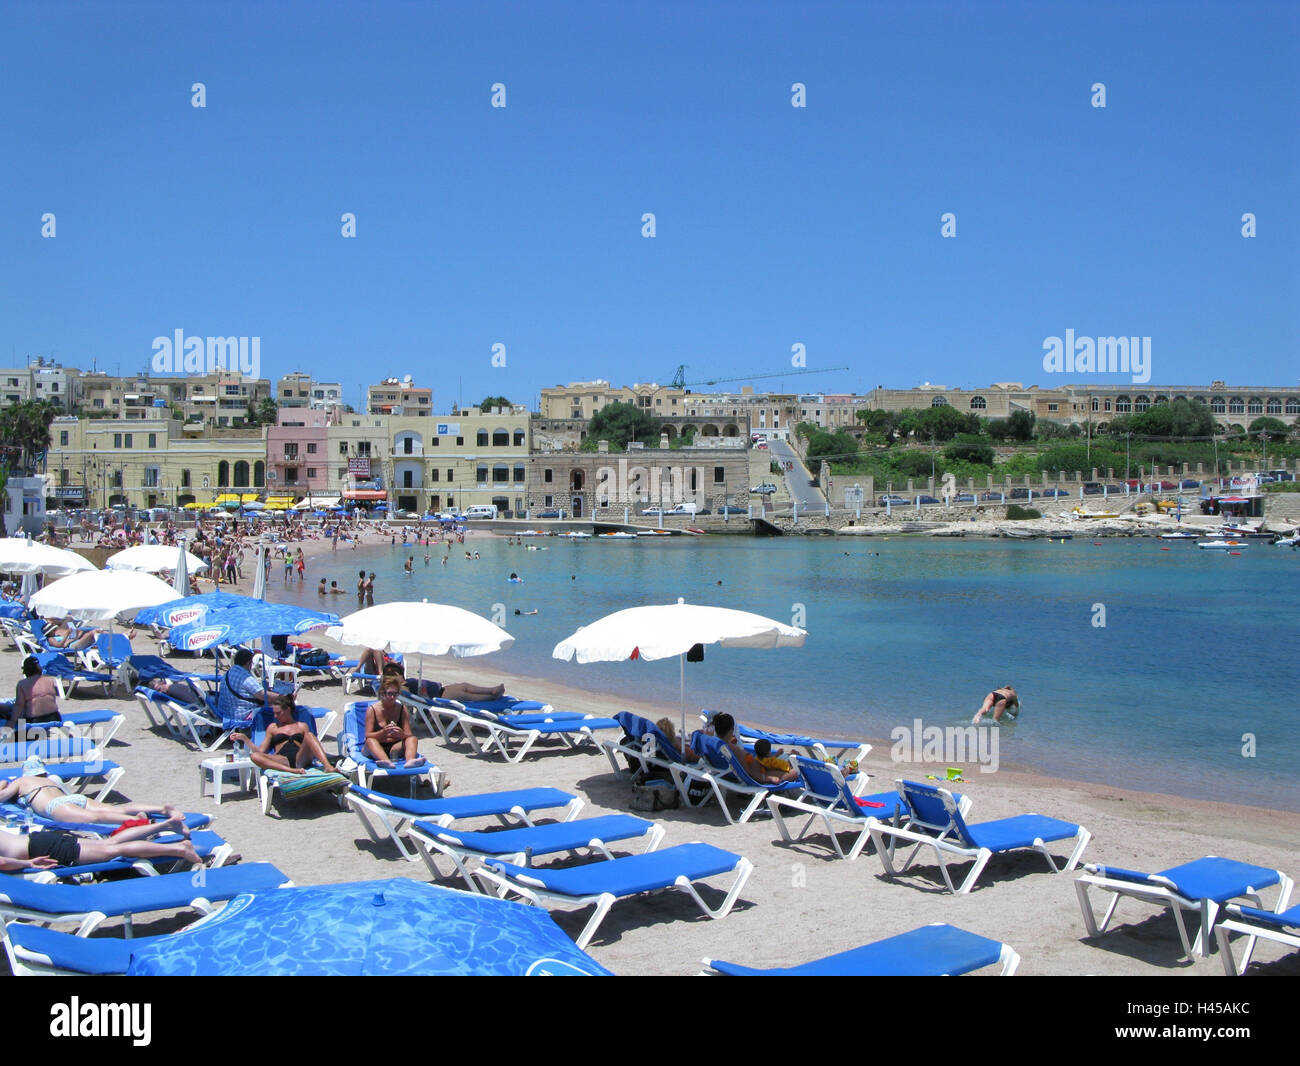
295	786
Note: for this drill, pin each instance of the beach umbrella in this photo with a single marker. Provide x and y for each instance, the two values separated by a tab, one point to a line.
153	559
661	631
30	586
22	555
241	622
181	575
259	578
393	928
187	609
435	629
101	595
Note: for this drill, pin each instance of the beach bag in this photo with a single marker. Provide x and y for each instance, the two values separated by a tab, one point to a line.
314	657
653	794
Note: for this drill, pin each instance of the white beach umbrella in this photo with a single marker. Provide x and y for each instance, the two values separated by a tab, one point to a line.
259	578
101	595
436	629
153	559
660	631
181	575
22	555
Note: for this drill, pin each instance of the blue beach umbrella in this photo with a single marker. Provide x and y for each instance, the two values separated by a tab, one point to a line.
392	928
188	609
242	622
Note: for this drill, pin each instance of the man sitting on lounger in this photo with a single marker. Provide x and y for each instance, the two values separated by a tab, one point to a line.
36	698
42	796
289	744
240	694
50	848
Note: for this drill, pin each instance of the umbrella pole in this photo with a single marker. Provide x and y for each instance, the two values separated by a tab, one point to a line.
681	693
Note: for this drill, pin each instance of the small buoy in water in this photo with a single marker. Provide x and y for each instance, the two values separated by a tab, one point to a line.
1234	553
1164	549
1096	544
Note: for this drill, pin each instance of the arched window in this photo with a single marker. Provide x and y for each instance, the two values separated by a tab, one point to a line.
1160	399
1123	405
500	438
1236	406
1292	406
223	474
241	474
938	401
1217	405
1141	403
1274	405
1256	405
978	403
259	474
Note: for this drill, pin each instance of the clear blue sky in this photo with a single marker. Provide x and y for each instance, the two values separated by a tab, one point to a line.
775	225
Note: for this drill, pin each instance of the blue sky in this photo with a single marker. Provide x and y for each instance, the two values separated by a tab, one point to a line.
775	225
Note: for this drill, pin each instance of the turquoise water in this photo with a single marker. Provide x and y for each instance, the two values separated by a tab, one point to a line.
1197	649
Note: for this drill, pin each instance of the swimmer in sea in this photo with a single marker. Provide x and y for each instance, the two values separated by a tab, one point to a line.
1000	701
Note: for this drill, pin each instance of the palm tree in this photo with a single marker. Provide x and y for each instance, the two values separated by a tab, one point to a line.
25	433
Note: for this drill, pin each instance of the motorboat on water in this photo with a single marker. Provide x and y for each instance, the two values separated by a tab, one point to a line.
1223	545
1181	535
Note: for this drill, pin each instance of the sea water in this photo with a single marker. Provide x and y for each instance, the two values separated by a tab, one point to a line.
1165	671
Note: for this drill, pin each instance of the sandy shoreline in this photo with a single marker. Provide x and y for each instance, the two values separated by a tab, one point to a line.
800	902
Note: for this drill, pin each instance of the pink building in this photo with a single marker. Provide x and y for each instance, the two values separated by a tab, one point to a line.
297	457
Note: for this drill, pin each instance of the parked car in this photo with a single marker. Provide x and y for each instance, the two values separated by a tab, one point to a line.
732	509
964	497
1054	494
1018	494
1189	483
893	501
1091	488
926	499
549	514
765	489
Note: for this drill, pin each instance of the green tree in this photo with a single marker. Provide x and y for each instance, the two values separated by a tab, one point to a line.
1181	418
620	423
267	412
1275	428
25	435
969	448
489	402
944	422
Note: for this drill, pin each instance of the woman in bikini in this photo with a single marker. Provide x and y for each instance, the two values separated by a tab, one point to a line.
388	727
999	701
289	744
43	797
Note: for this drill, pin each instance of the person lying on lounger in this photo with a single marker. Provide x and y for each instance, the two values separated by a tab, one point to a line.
42	796
388	727
64	637
55	847
289	744
460	691
180	691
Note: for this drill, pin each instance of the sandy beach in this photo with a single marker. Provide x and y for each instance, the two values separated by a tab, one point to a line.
801	902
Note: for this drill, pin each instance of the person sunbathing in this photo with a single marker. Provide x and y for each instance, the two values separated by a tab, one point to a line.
460	691
64	637
289	744
388	727
724	728
43	797
180	691
47	849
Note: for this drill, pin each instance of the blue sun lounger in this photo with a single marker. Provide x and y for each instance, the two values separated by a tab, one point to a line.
1256	924
20	813
603	883
828	799
91	905
352	747
1202	886
99	727
52	749
68	675
642	742
523	845
37	952
936	950
937	823
393	813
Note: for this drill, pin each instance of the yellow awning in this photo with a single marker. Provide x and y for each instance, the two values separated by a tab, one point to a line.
248	497
227	497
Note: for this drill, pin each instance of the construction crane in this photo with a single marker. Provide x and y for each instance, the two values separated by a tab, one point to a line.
679	381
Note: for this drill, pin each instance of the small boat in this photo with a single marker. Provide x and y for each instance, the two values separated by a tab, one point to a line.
616	536
1082	512
1293	541
1222	545
1178	536
575	535
653	533
532	533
